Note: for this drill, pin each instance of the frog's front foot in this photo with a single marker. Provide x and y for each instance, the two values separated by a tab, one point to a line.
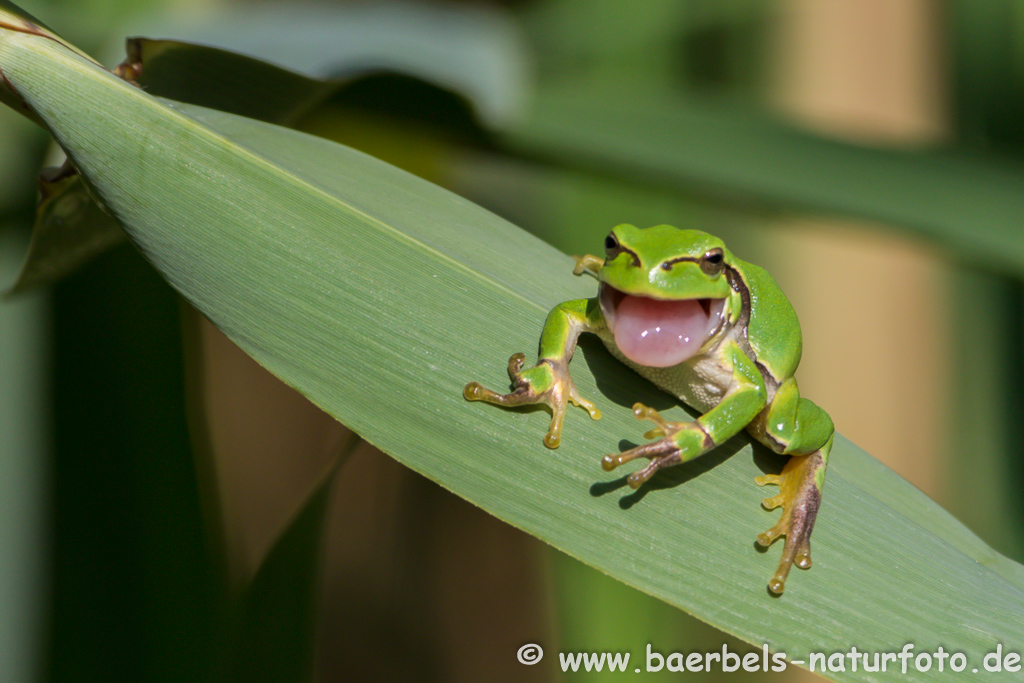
676	442
587	263
800	497
548	382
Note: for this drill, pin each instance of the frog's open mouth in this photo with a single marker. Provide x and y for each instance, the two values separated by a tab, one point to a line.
659	333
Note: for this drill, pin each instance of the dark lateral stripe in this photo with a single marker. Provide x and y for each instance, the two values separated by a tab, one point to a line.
738	285
667	265
636	259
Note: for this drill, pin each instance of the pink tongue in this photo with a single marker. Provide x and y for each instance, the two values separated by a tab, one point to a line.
658	333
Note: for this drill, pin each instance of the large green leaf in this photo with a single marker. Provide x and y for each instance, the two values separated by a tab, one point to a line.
379	295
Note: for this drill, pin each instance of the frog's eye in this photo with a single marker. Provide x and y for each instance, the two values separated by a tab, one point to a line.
611	246
713	261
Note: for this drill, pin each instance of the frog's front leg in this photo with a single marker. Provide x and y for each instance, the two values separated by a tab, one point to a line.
548	382
680	442
797	427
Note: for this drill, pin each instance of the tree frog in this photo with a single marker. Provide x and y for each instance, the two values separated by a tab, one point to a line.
718	333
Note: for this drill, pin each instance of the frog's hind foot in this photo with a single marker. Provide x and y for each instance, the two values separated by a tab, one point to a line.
800	496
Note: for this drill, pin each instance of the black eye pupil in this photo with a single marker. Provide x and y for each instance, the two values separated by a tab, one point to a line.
610	242
714	257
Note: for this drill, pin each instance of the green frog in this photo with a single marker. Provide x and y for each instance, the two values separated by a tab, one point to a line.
716	332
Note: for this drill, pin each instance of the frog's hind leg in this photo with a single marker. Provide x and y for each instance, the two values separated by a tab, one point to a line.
796	427
800	483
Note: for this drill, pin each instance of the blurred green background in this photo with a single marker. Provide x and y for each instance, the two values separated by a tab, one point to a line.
868	153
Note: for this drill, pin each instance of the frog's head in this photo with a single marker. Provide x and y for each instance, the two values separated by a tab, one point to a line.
664	291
